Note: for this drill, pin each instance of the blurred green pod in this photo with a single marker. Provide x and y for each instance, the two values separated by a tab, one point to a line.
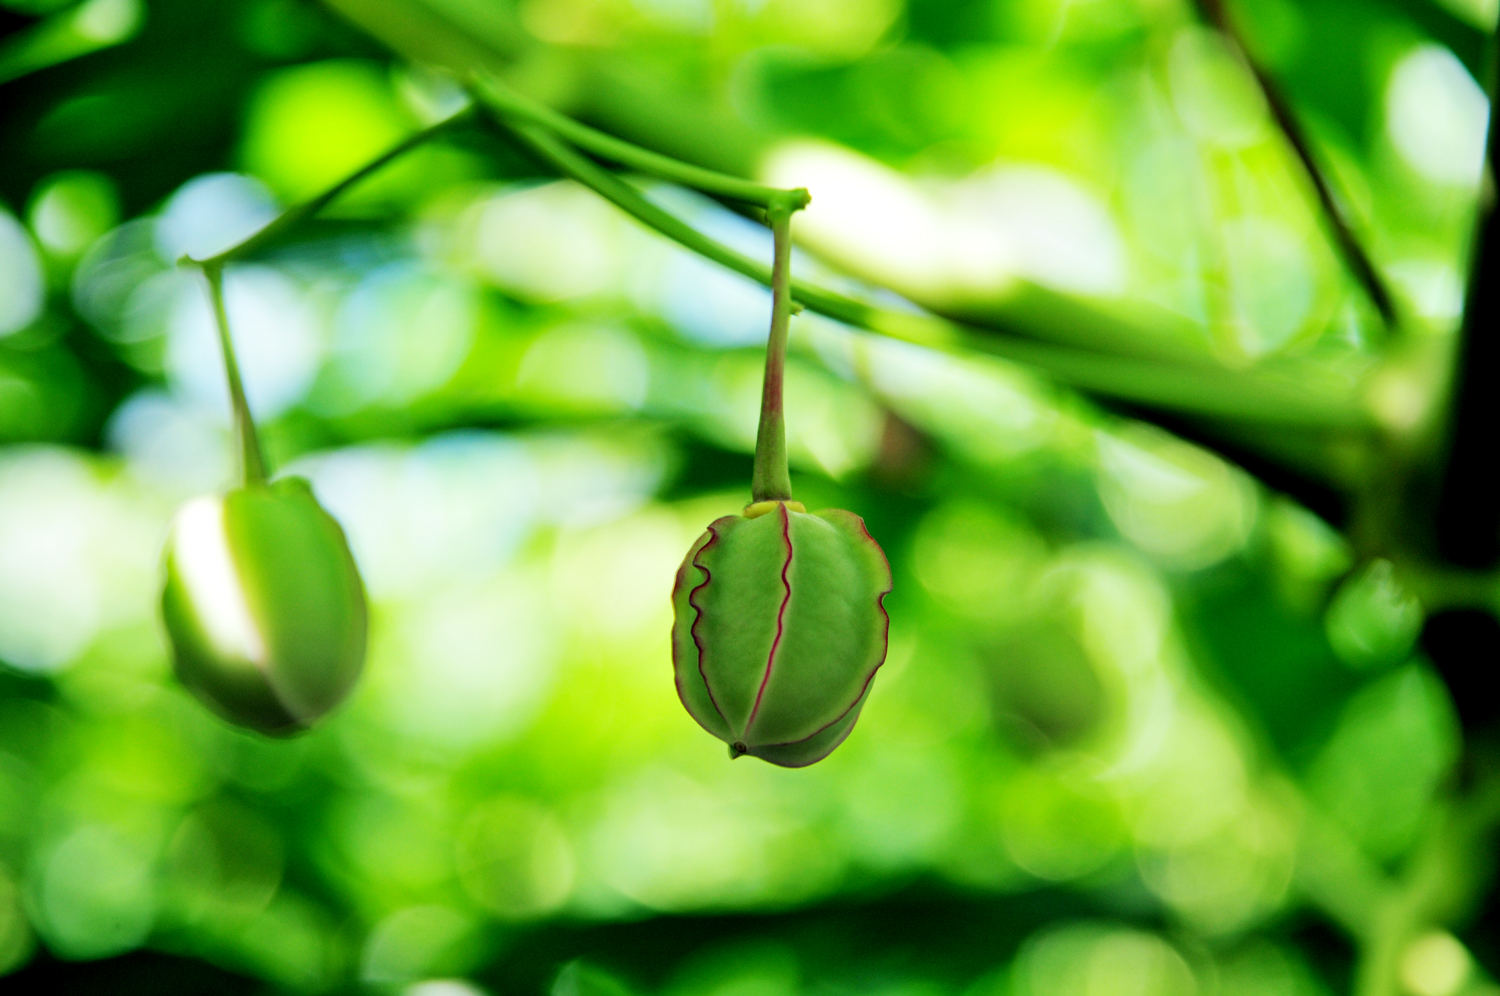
264	606
1373	620
780	627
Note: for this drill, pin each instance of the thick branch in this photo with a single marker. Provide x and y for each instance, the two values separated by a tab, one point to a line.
1467	517
1294	399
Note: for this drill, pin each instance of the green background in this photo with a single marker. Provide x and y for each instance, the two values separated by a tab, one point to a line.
1122	743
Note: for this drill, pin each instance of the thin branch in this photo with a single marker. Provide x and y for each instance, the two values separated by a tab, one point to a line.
252	460
299	213
1294	399
1353	251
505	101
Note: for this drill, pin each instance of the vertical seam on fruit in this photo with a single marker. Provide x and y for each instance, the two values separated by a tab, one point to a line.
786	536
693	629
885	647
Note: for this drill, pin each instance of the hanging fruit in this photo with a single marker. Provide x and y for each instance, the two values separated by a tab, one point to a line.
264	606
263	603
780	623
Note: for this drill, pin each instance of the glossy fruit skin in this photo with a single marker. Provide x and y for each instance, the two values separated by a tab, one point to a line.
264	606
780	627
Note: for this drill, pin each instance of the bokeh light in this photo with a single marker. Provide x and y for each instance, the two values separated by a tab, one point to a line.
22	288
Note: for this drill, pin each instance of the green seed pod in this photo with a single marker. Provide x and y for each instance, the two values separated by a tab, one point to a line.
780	628
264	606
1373	620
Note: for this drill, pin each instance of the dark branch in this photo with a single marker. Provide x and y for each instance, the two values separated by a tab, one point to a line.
1467	523
1355	256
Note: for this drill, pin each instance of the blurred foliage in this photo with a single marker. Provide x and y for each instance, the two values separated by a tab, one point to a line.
1119	747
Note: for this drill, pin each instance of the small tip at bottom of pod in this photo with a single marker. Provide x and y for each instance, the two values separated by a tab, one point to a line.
737	750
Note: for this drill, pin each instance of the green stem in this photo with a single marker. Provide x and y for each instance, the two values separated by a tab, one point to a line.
514	107
1440	587
1446	877
299	213
252	464
771	482
1294	398
571	163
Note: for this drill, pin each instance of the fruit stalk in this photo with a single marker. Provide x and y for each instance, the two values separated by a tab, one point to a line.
771	481
252	463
